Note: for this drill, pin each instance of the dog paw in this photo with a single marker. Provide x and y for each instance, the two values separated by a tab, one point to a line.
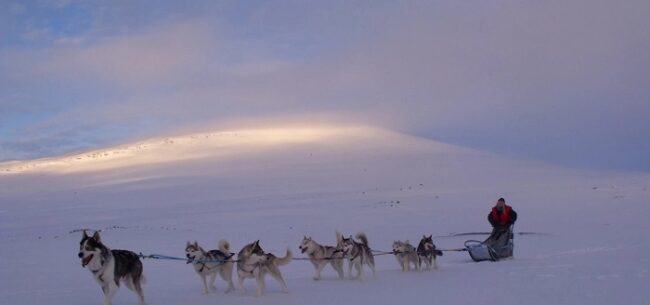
316	278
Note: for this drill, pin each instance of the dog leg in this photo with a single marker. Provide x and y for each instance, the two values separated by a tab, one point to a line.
350	270
241	285
278	277
212	279
280	280
315	263
319	268
226	275
359	268
111	289
205	284
138	290
260	284
136	287
337	264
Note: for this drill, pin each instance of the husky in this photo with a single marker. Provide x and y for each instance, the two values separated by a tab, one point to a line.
406	255
253	262
110	267
358	254
320	256
208	264
427	252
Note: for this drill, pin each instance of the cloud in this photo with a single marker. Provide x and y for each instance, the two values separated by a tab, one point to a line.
157	56
555	80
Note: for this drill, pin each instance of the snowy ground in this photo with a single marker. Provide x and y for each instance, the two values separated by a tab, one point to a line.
590	243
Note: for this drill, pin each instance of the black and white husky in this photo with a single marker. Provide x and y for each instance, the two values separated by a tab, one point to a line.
110	267
208	264
406	255
427	252
358	253
320	256
253	262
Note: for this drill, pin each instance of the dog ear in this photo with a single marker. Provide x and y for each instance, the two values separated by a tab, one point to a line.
196	243
431	236
85	235
96	236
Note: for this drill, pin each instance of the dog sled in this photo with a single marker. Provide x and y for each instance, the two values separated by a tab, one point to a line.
499	245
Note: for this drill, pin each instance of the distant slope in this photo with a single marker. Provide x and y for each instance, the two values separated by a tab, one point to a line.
277	158
209	145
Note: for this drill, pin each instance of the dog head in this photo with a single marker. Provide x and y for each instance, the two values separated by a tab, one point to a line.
398	247
91	249
193	252
307	244
253	253
347	244
427	243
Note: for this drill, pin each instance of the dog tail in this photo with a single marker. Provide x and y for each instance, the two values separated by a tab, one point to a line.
363	238
286	259
224	247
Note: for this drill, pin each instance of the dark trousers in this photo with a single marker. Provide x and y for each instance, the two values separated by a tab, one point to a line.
500	241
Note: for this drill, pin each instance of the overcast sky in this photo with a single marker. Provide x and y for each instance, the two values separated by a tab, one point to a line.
565	82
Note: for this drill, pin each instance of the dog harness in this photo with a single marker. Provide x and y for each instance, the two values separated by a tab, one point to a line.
247	271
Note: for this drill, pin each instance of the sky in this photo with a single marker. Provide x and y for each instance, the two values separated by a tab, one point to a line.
564	82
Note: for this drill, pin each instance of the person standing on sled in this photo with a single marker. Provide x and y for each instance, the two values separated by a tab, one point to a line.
502	217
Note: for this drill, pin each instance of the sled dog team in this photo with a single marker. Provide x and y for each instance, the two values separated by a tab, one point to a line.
112	267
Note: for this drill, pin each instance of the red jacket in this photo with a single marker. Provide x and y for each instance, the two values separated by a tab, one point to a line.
504	219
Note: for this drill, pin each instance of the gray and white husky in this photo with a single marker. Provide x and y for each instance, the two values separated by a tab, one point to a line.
427	252
358	253
320	256
110	267
253	262
406	255
208	264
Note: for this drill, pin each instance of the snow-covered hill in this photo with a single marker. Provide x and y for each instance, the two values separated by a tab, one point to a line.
277	184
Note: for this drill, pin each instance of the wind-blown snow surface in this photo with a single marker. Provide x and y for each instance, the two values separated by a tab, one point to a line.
590	244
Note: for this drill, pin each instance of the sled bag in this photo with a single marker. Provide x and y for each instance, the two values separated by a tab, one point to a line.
479	251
